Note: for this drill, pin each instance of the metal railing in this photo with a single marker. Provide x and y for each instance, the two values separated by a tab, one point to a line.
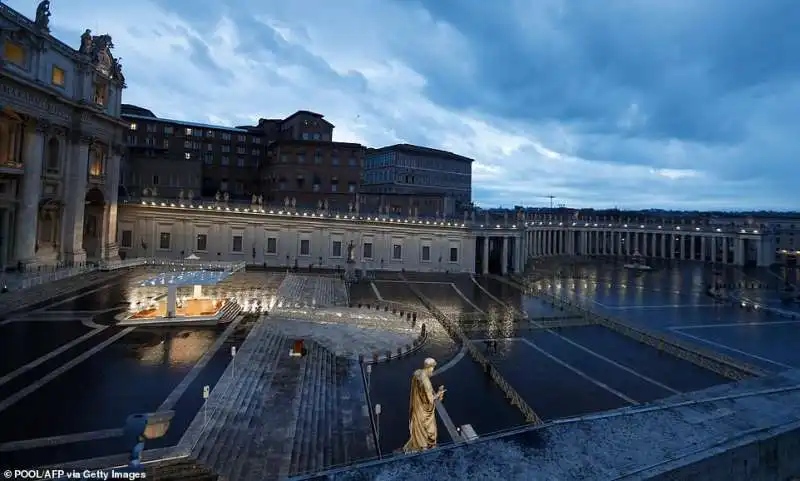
457	334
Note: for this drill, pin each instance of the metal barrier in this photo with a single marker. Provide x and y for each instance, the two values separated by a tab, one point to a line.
456	333
719	363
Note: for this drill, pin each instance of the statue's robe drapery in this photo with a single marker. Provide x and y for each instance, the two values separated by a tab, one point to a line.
422	414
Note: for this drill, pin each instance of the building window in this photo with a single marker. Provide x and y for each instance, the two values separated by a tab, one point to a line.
351	187
126	242
301	158
284	159
210	134
202	242
272	245
239	162
351	162
164	241
336	249
166	143
209	159
226	161
334	186
134	126
187	155
188	131
426	253
397	252
454	254
242	138
237	243
15	54
335	161
318	159
305	247
168	130
155	180
367	250
315	187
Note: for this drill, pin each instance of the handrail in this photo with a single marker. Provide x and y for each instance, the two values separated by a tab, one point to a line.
455	331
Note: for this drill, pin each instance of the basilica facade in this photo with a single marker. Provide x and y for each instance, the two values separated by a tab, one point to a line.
60	144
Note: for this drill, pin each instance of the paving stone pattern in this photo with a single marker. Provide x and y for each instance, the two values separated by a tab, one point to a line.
346	340
27	298
311	291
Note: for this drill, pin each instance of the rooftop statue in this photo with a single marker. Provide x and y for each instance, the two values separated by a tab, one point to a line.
86	47
43	15
422	409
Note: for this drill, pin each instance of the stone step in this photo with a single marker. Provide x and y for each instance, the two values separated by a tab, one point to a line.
318	433
183	469
306	426
273	442
304	414
218	456
233	454
243	460
337	444
230	391
327	449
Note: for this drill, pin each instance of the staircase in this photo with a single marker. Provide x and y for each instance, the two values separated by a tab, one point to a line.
329	429
231	406
230	310
182	469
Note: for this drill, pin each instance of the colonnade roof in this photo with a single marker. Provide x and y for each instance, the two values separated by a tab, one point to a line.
186	278
668	227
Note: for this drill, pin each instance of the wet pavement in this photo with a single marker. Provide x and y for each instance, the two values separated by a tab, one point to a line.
74	378
674	300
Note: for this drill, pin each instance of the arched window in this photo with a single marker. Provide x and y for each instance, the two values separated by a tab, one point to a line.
53	164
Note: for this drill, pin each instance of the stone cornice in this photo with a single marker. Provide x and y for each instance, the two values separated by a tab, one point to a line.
648	228
312	219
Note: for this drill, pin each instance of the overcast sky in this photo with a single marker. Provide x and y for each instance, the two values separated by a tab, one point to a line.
601	103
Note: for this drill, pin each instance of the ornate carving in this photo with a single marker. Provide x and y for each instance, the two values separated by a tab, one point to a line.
43	126
42	21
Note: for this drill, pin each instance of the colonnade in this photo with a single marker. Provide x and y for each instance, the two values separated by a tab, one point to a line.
736	248
511	255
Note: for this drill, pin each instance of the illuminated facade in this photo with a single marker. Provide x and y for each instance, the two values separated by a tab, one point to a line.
60	147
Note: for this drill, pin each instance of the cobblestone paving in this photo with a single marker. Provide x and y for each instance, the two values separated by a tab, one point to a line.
350	337
311	291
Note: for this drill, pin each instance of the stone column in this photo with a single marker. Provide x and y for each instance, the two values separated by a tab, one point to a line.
197	292
724	250
517	254
110	247
75	200
504	264
28	211
485	266
663	246
703	248
6	242
172	300
739	252
681	247
653	245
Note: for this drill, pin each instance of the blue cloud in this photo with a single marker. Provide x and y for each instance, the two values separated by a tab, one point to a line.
643	103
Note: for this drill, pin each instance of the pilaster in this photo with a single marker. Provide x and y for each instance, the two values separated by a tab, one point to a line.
76	197
28	214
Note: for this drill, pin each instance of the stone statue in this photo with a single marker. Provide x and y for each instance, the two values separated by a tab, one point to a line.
358	207
227	197
294	202
286	201
472	215
217	196
154	192
254	200
325	204
180	195
86	43
116	70
422	409
505	218
43	15
416	212
145	192
190	196
410	211
437	214
349	207
319	205
351	252
260	199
